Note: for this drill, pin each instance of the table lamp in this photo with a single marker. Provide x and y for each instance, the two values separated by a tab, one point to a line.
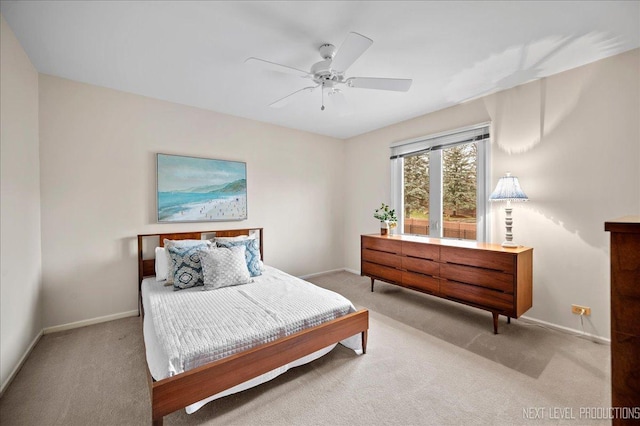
508	189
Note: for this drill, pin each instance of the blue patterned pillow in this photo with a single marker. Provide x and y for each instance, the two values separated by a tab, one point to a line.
187	267
251	254
179	243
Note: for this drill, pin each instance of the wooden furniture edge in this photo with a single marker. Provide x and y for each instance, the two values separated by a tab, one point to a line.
173	393
524	288
624	241
625	224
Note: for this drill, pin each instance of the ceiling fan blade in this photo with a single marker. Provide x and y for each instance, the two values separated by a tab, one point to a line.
287	99
395	84
268	65
353	46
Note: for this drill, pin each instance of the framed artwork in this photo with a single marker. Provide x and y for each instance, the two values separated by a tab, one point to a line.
192	189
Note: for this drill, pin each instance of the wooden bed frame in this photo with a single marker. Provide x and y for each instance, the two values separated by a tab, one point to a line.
181	390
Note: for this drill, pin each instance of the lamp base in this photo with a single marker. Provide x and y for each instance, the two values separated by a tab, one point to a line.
508	241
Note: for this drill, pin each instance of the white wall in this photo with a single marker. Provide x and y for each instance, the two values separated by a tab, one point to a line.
573	139
20	260
98	150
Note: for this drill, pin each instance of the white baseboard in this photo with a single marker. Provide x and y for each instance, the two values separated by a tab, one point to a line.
316	274
351	271
92	321
568	330
18	366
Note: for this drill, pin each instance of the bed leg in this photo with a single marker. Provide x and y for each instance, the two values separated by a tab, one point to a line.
364	342
157	422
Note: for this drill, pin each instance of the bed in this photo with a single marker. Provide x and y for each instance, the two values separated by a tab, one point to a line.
215	369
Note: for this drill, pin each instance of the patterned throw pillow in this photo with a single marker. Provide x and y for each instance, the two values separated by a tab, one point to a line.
180	243
187	266
224	267
252	253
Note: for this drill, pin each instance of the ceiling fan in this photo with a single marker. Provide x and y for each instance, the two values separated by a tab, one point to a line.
329	74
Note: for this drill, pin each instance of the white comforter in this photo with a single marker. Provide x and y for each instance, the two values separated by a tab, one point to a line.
188	328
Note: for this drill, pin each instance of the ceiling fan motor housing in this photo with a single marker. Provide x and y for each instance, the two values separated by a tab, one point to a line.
327	51
322	72
321	69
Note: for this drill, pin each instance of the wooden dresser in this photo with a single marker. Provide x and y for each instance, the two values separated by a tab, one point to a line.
625	312
486	276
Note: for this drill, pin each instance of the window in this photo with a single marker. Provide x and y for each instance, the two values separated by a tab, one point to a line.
440	184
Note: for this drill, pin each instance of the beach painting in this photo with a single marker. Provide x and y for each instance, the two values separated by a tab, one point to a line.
192	189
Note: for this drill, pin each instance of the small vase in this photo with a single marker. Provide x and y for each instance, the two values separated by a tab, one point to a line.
392	228
384	227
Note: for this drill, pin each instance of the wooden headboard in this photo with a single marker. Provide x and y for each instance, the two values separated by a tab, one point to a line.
147	267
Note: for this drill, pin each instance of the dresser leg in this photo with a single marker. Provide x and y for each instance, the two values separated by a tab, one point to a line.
495	322
508	320
372	280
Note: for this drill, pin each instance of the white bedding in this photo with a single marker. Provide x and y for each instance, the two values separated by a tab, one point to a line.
188	328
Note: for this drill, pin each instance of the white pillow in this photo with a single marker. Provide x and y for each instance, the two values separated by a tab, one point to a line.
224	267
238	238
180	243
162	266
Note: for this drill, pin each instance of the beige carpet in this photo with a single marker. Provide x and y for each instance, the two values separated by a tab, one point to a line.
429	362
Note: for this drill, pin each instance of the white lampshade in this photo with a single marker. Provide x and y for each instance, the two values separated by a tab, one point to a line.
508	189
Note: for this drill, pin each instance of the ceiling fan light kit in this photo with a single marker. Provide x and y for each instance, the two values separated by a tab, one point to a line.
329	72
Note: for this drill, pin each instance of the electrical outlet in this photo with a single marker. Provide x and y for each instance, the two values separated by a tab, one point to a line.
580	310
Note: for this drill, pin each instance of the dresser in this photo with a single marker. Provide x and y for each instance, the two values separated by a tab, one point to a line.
625	312
485	276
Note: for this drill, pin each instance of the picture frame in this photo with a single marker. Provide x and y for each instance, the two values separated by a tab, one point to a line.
195	189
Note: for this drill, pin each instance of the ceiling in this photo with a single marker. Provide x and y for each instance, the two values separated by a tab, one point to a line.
193	53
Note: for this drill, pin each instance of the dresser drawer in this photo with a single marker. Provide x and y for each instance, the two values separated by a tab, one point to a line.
422	266
478	276
381	257
384	273
496	260
382	244
478	296
420	250
422	282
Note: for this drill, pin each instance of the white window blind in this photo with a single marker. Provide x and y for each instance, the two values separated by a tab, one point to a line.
438	141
